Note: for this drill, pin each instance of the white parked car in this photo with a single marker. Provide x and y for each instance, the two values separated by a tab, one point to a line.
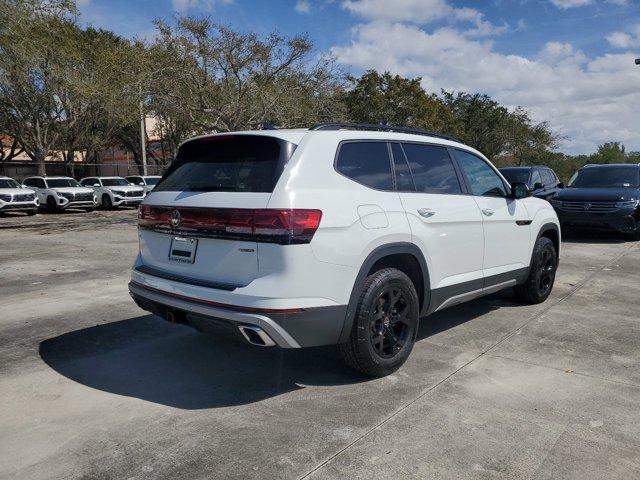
114	191
61	193
15	197
340	234
147	182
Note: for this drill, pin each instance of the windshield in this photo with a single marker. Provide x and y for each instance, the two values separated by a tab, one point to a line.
8	183
114	182
152	180
606	177
230	163
62	182
513	175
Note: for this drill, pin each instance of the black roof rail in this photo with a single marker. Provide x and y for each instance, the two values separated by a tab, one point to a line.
383	127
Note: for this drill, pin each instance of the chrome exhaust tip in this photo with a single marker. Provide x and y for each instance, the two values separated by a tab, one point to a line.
256	336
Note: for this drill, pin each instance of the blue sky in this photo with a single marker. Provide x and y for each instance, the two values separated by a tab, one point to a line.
569	62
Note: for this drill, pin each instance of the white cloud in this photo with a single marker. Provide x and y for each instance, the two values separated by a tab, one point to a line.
591	100
205	5
422	12
624	39
565	4
302	6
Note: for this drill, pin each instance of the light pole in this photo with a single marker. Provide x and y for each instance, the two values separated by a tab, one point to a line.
143	139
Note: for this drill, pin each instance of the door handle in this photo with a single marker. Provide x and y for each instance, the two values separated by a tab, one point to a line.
488	211
426	212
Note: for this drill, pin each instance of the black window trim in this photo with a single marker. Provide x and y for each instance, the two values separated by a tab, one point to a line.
506	185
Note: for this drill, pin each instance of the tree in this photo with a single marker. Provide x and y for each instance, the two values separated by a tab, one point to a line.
32	72
612	152
386	98
218	79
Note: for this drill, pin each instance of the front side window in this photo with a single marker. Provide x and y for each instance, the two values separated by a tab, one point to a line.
606	177
548	178
152	180
483	180
367	163
432	169
62	182
536	178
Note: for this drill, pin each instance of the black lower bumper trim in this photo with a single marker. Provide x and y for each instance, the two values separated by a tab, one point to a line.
311	327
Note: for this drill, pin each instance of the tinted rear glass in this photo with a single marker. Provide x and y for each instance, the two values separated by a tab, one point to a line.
367	163
230	163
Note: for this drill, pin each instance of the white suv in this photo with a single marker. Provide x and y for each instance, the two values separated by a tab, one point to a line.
114	191
147	182
61	193
14	197
340	234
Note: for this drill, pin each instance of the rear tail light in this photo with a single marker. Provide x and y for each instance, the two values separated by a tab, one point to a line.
283	226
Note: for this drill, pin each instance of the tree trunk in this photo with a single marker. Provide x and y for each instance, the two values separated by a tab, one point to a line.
39	158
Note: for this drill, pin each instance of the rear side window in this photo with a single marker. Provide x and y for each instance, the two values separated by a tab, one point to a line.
367	163
228	163
432	169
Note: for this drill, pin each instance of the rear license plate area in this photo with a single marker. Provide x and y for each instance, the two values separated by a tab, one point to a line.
183	250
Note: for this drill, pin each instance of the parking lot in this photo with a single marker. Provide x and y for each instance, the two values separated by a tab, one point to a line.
94	388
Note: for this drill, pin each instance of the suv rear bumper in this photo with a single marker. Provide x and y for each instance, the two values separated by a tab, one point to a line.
287	328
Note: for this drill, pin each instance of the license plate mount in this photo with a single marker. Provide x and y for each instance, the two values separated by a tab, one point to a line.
183	249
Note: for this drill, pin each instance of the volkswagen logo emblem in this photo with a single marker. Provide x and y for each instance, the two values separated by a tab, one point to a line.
176	218
587	206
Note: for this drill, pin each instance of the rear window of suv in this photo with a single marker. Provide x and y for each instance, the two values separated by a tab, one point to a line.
229	163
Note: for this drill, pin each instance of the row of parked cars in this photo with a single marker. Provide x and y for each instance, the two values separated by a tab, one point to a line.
603	197
57	193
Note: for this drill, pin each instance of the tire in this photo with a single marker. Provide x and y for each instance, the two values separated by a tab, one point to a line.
52	206
107	204
382	336
542	274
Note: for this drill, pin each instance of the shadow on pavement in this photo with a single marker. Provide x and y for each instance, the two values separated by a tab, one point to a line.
174	365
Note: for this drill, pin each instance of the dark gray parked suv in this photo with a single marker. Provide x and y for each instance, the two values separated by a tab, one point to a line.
542	180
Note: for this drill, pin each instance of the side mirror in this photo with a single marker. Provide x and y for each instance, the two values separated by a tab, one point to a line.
96	184
520	190
560	185
537	186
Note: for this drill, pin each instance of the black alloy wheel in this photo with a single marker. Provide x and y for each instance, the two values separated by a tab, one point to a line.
542	273
385	324
389	323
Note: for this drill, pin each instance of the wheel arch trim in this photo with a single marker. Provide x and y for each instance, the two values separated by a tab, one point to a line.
377	254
